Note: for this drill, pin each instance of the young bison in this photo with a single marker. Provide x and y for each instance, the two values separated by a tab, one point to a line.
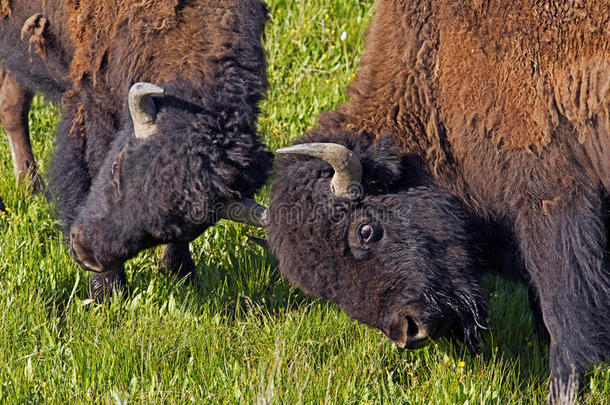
137	165
471	124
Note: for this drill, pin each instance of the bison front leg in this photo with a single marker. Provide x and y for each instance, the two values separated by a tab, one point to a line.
14	107
564	246
176	260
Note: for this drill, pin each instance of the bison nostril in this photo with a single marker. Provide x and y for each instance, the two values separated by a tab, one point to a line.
83	253
74	233
412	328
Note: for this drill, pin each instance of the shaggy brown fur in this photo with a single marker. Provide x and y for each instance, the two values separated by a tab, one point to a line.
503	105
507	74
164	32
34	30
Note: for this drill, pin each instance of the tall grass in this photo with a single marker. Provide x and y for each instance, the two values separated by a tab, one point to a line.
240	333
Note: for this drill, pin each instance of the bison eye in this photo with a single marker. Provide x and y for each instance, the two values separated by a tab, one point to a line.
115	167
362	236
366	233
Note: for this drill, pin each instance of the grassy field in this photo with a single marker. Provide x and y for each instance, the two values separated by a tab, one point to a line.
240	334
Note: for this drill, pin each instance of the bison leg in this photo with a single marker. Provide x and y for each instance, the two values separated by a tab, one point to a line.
103	284
564	249
14	107
176	260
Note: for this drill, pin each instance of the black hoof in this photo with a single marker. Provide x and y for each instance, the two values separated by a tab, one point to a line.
35	184
564	391
30	177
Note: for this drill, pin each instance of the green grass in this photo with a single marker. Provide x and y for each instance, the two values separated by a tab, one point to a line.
241	333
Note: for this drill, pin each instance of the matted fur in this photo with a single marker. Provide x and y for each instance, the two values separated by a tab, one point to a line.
504	106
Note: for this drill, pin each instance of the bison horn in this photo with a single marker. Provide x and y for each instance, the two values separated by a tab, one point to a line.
142	108
245	211
348	169
259	241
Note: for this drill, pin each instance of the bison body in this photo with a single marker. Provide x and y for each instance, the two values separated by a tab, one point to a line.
477	137
162	167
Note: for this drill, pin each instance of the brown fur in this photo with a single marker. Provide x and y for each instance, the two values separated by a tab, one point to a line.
506	73
34	30
163	32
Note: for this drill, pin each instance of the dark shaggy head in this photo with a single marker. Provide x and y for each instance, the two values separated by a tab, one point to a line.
398	258
169	186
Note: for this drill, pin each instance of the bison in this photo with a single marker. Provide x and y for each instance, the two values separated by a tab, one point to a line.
157	138
477	138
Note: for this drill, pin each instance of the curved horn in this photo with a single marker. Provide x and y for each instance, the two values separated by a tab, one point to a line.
142	108
259	241
245	211
348	169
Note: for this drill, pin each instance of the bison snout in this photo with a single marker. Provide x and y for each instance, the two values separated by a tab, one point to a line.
408	333
82	254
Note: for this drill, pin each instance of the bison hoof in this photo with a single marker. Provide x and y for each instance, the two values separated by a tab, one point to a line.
103	284
176	261
35	183
30	177
562	392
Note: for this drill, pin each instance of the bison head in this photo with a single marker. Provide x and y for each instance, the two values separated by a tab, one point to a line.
182	162
347	225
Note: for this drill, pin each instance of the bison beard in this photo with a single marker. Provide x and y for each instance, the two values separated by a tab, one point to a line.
503	117
128	176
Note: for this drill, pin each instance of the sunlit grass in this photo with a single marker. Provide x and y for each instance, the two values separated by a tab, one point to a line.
240	333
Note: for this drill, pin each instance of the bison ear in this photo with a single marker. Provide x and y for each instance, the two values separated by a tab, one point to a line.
387	153
143	109
383	165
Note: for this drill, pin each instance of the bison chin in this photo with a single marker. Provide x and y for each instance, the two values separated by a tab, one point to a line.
457	317
464	317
